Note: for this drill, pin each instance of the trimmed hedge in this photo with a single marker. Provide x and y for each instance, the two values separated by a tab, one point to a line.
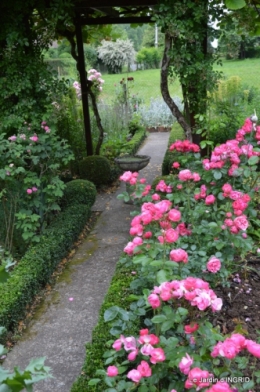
79	192
95	168
37	265
133	145
117	295
177	133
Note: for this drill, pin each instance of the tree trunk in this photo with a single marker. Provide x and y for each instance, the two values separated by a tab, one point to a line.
165	89
98	120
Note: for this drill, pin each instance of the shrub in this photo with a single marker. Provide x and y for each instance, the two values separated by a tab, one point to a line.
95	168
38	264
116	54
79	192
176	134
133	145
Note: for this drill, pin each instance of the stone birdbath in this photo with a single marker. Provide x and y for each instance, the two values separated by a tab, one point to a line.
132	163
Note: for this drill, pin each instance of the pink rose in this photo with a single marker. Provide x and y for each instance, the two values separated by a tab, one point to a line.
29	191
12	138
241	222
133	354
147	234
154	301
213	265
112	371
210	199
179	255
134	375
175	165
174	215
117	345
185	364
144	369
129	343
185	175
191	328
253	348
196	177
220	386
157	355
171	235
34	138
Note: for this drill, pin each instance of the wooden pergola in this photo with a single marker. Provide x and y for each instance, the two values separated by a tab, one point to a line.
98	12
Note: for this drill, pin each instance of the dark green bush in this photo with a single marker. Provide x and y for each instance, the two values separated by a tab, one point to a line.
133	145
39	262
177	133
79	192
96	169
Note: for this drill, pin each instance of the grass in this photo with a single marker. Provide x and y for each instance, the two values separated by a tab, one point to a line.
147	83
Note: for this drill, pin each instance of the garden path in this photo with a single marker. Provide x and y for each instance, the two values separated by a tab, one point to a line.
63	323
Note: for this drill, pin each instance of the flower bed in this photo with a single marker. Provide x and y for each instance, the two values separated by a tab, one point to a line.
186	241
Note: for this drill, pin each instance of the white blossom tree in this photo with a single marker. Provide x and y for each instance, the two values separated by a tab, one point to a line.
116	54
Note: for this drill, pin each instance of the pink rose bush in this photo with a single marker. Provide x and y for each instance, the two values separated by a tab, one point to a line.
184	239
31	161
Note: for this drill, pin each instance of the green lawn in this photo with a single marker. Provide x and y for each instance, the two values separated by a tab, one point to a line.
147	83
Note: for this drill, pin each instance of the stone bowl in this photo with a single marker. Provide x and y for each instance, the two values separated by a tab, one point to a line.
132	163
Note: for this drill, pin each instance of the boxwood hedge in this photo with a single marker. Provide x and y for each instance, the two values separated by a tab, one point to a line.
177	133
39	262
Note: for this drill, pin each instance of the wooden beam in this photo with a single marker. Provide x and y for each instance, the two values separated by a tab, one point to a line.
115	3
115	20
84	88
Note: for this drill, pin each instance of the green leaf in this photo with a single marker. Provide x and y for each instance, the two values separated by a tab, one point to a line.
94	381
111	313
166	325
217	175
235	4
161	276
253	160
141	259
3	274
160	318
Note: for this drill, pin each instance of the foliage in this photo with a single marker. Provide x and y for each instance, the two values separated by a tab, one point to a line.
69	126
27	86
176	134
116	54
235	41
79	192
186	56
91	56
149	37
39	262
30	163
148	58
19	380
158	113
171	246
96	169
226	110
135	34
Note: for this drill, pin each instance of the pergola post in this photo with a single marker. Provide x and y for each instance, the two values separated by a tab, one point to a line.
84	86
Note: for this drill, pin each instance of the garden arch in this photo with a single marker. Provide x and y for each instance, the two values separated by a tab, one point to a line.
93	12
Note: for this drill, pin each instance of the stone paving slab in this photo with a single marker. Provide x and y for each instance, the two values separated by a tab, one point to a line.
61	326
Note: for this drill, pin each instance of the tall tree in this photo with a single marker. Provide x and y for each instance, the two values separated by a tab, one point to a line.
187	26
